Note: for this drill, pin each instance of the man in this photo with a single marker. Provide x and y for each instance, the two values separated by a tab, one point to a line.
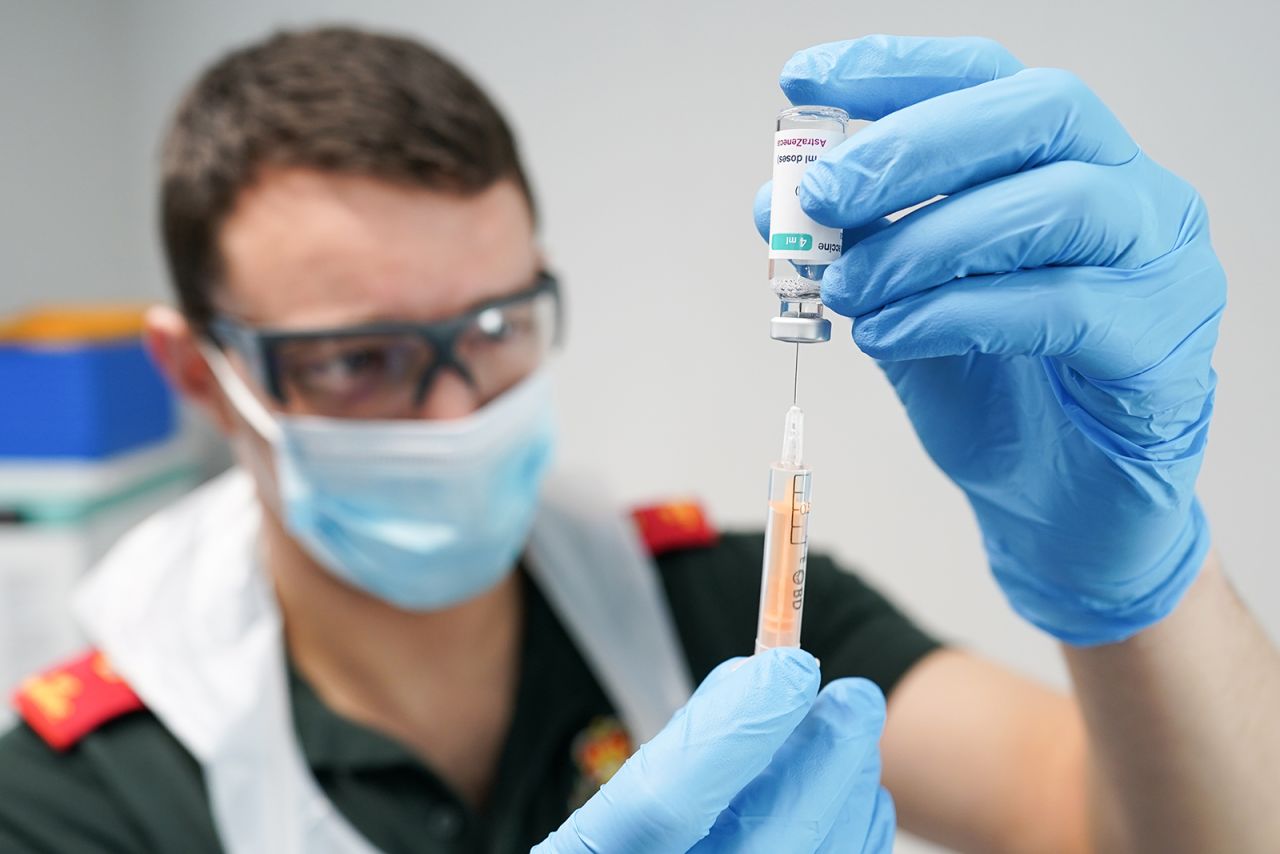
384	632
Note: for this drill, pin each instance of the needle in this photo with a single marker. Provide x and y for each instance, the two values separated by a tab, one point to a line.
795	381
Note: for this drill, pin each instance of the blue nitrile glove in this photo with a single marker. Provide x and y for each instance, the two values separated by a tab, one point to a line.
1048	325
757	760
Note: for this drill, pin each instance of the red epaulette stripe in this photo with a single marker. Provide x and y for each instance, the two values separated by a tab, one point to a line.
673	526
67	702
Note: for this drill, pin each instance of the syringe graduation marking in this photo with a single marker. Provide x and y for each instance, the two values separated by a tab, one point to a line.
799	509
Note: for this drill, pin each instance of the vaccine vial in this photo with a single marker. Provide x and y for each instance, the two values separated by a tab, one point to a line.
799	248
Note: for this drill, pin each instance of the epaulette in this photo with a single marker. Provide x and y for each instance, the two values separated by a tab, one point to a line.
673	526
65	703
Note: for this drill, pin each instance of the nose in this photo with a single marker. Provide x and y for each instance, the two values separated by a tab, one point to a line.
449	397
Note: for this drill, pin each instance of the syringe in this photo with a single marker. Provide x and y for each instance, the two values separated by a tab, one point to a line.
786	542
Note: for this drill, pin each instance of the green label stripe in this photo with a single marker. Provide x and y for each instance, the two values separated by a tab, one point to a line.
792	241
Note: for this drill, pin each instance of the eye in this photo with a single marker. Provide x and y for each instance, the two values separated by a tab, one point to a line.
341	367
336	368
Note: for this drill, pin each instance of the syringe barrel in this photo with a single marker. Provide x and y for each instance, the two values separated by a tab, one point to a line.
786	555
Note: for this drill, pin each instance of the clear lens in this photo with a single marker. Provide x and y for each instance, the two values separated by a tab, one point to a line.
504	344
378	375
369	376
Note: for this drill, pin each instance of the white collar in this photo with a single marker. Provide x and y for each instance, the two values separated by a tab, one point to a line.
183	612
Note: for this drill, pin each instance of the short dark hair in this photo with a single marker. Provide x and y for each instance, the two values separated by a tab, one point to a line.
334	99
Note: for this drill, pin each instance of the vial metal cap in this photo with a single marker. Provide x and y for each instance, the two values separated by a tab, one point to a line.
800	321
800	330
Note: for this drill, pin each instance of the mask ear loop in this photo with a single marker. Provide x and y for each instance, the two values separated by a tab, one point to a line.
244	401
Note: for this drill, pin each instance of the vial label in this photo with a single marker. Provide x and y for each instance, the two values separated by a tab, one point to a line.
793	236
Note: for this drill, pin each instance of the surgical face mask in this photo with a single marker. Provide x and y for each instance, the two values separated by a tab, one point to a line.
421	514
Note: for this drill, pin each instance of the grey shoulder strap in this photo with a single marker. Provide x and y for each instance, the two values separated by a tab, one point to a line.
587	559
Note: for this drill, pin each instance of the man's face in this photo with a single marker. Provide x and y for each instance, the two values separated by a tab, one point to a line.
311	250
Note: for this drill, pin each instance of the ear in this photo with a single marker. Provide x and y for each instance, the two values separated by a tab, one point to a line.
172	345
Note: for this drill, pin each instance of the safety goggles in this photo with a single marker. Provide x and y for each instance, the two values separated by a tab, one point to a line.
386	370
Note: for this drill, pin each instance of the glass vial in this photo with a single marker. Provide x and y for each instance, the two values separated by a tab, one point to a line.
799	248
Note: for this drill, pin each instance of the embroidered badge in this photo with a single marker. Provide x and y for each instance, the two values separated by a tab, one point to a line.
67	702
673	526
598	752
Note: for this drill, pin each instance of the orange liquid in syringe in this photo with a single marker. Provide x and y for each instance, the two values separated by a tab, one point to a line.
785	558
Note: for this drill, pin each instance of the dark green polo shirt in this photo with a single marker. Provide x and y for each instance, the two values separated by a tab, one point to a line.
130	787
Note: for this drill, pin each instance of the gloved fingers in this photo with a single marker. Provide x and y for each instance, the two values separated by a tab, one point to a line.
883	827
832	757
761	208
761	211
862	831
719	672
1065	213
1097	320
828	768
873	76
959	140
667	796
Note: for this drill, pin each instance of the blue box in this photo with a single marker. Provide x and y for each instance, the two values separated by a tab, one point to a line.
85	400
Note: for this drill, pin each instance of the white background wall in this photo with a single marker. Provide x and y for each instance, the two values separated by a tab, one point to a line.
646	120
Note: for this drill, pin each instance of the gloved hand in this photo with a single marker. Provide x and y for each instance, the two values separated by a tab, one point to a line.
753	762
1048	325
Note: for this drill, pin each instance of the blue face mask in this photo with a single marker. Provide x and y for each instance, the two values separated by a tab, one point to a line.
421	514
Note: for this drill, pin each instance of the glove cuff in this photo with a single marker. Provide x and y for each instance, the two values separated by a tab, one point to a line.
1081	620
